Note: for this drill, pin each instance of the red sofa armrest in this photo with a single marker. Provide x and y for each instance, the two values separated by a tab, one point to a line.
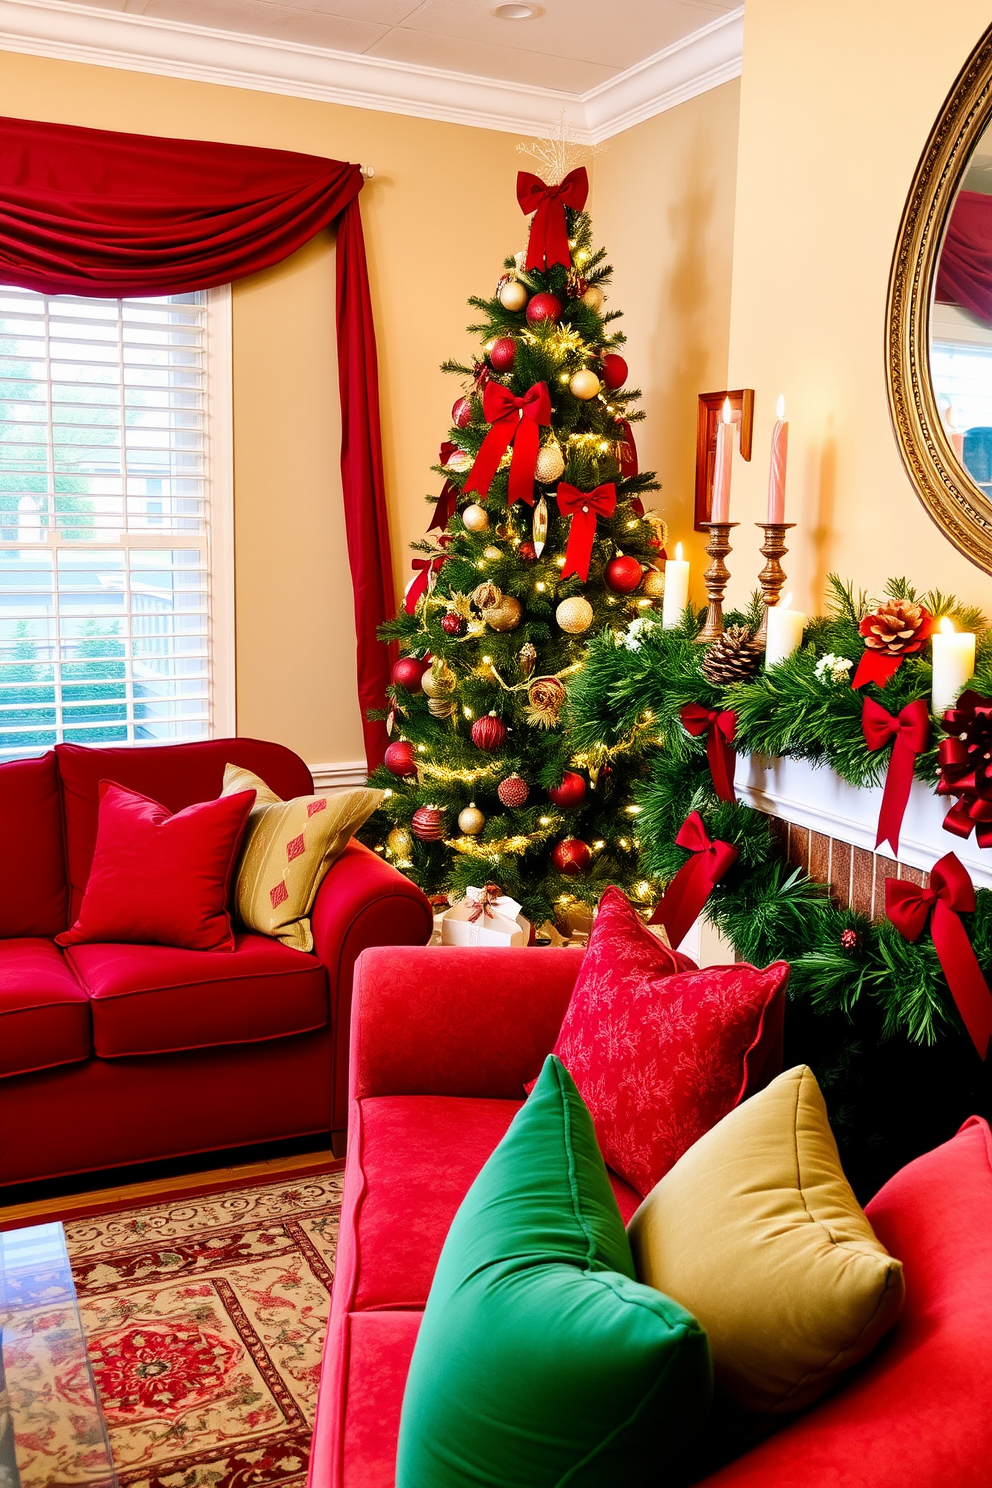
362	902
448	1020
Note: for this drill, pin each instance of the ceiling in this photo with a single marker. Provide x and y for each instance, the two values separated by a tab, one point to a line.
569	46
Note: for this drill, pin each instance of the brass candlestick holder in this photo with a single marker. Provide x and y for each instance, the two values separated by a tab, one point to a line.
715	579
772	576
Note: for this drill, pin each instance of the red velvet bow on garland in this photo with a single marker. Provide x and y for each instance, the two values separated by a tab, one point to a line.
910	731
447	502
424	568
966	767
514	421
719	728
680	905
548	242
583	507
949	894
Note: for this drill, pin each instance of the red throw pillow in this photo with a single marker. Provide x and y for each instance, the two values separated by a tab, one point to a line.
159	878
659	1054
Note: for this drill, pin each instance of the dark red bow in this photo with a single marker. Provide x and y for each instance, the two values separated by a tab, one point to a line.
447	502
548	243
423	567
966	767
627	454
910	730
949	894
514	421
719	728
680	905
583	507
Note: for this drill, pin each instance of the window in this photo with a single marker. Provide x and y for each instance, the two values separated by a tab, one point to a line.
115	530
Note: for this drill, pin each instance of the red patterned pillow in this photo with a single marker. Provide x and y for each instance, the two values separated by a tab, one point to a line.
661	1054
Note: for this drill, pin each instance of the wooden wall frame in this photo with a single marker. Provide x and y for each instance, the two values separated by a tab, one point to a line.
708	417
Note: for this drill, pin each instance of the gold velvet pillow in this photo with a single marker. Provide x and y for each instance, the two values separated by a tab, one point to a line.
756	1231
288	847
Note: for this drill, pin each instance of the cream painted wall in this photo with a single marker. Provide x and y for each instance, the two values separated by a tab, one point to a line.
663	204
837	102
438	218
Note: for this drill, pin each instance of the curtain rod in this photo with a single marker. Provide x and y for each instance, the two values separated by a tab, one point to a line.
368	171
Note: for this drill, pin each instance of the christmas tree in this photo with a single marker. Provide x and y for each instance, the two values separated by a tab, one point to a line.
542	543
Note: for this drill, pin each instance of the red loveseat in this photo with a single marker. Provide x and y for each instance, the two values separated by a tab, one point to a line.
113	1054
442	1043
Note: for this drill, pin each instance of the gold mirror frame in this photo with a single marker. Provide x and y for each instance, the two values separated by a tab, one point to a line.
945	489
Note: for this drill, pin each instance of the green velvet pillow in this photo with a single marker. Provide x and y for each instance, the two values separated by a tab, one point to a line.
540	1359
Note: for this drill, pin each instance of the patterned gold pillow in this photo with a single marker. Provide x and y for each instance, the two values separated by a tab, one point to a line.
288	847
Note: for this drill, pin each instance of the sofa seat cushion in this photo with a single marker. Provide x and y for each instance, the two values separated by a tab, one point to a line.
418	1155
379	1346
34	890
159	999
44	1012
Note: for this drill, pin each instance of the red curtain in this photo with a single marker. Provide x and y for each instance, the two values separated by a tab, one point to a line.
964	276
89	212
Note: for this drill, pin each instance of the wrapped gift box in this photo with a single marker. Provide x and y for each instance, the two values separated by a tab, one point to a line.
485	917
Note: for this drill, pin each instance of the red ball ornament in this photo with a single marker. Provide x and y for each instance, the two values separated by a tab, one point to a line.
452	624
502	355
623	575
513	791
428	823
527	551
571	792
614	370
401	758
571	856
543	306
461	413
408	673
488	732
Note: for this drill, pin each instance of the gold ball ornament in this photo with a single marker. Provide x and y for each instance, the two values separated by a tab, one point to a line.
513	295
584	384
491	553
400	843
504	616
441	707
550	463
438	680
593	298
471	820
574	615
653	585
476	518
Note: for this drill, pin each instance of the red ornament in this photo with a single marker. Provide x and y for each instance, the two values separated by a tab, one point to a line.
461	413
503	352
428	823
623	575
488	732
614	370
543	306
850	940
401	758
571	792
571	856
513	791
452	624
408	672
527	550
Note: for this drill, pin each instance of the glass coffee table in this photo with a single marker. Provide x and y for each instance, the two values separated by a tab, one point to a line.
52	1431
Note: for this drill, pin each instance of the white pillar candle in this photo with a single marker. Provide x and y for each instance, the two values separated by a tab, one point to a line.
720	511
785	632
953	664
676	590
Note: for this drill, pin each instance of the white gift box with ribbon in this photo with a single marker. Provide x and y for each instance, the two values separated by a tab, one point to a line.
485	917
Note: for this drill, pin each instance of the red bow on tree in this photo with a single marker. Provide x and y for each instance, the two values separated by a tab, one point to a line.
966	767
424	568
447	502
719	728
628	456
514	421
910	730
548	243
583	507
680	905
949	894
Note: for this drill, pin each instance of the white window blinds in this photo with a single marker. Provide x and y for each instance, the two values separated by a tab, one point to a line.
105	528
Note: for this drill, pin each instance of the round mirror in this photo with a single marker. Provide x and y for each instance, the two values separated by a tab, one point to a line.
940	317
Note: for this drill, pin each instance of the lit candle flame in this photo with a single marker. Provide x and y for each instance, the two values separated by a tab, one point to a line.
727	411
946	626
678	552
780	408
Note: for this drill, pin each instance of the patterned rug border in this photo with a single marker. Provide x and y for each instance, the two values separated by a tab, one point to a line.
183	1190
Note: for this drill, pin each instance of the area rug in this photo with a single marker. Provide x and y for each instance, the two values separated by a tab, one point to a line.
205	1316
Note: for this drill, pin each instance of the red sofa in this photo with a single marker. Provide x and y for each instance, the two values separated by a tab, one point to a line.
442	1043
113	1054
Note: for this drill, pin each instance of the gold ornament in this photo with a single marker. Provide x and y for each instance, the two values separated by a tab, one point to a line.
520	258
659	527
507	615
545	700
400	843
487	596
440	679
471	820
593	298
443	706
513	295
550	463
584	384
476	518
491	553
527	657
653	585
539	529
574	615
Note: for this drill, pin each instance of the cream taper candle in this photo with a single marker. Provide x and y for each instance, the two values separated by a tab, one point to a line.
953	664
785	632
676	590
776	469
720	511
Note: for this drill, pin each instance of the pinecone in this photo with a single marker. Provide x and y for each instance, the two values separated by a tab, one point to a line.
735	657
897	627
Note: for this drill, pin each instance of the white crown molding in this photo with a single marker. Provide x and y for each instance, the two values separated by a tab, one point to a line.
137	43
341	776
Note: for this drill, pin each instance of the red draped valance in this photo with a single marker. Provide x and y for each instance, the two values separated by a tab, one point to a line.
90	212
964	275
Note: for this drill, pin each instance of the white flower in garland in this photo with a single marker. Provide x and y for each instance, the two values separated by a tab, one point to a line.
635	632
833	668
